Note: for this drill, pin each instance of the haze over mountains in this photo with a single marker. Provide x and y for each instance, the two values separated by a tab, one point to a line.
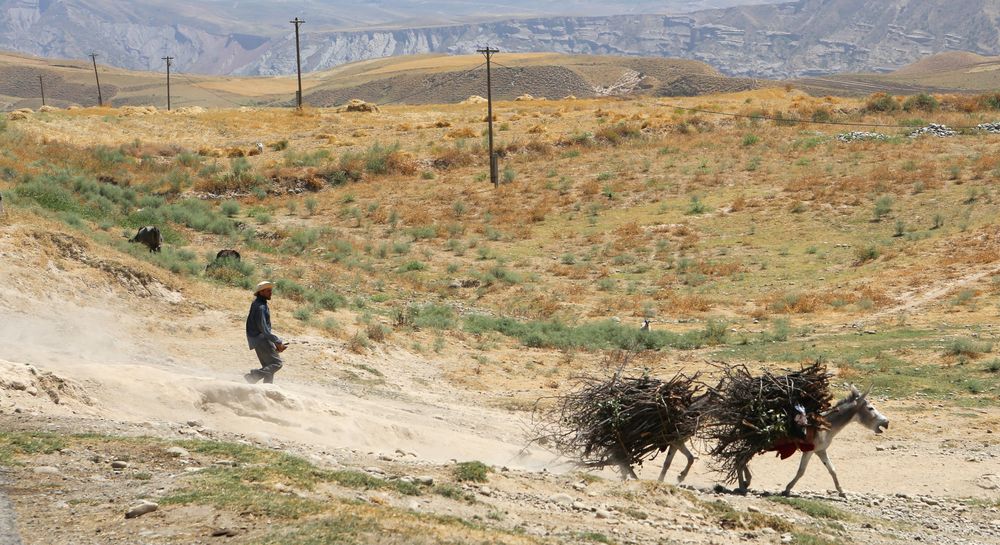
803	38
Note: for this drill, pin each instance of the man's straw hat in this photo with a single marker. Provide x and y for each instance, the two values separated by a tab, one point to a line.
263	285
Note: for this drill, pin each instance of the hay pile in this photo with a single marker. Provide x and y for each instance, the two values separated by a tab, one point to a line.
356	105
20	114
137	110
752	414
624	419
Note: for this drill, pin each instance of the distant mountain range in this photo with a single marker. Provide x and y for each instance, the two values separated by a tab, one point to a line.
253	37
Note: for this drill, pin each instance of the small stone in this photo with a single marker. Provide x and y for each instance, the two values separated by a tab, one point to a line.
603	514
579	486
17	385
178	452
753	509
561	499
46	470
787	538
425	480
227	463
385	458
119	464
486	491
414	505
32	390
375	470
140	509
194	423
224	532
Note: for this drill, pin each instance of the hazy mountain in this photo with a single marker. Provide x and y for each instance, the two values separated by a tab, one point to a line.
224	36
807	37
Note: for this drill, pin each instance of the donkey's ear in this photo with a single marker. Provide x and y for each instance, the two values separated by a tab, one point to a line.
867	391
855	393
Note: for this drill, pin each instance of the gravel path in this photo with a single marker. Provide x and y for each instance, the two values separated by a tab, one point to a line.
8	525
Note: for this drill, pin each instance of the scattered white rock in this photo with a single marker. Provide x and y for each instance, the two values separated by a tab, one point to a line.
934	129
561	499
141	508
425	480
855	136
119	464
46	470
178	452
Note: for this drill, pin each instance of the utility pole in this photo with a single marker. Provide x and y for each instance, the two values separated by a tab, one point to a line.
494	177
100	99
298	60
42	87
168	58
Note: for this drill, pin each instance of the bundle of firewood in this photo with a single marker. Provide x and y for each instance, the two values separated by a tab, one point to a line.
603	422
752	414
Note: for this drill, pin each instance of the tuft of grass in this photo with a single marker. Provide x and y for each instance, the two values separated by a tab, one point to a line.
964	346
813	508
474	471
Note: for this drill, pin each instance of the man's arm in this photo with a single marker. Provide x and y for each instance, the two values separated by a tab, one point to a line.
265	329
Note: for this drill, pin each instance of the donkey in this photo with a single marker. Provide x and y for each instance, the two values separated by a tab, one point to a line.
854	407
680	445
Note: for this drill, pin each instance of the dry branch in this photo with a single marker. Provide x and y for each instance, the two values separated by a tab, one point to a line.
751	414
604	422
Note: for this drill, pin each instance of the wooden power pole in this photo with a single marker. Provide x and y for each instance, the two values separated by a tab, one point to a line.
298	61
41	86
494	174
168	58
100	99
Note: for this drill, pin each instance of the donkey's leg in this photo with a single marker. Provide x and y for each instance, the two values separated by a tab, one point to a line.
666	463
626	470
833	472
684	450
802	471
743	476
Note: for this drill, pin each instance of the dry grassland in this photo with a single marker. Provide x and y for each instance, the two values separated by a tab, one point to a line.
609	209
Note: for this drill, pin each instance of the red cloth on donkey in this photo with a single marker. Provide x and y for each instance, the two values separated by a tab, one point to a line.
787	446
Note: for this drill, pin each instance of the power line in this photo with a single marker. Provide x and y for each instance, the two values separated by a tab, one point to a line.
209	90
169	60
298	61
100	99
489	52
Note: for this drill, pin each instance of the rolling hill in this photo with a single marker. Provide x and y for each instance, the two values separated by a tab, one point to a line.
416	79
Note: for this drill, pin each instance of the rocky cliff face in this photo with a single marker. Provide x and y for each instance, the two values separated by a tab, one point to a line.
803	38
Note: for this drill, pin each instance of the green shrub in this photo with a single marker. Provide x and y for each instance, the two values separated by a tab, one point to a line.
750	140
474	471
883	206
327	300
230	271
697	206
967	347
306	159
230	208
431	316
412	266
618	133
109	157
865	254
922	102
881	102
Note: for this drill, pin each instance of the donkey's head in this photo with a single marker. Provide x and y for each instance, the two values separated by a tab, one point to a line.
865	412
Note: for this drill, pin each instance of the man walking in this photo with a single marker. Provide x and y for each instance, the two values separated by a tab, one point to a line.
260	337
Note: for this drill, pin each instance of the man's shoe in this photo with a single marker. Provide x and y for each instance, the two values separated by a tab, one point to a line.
251	377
